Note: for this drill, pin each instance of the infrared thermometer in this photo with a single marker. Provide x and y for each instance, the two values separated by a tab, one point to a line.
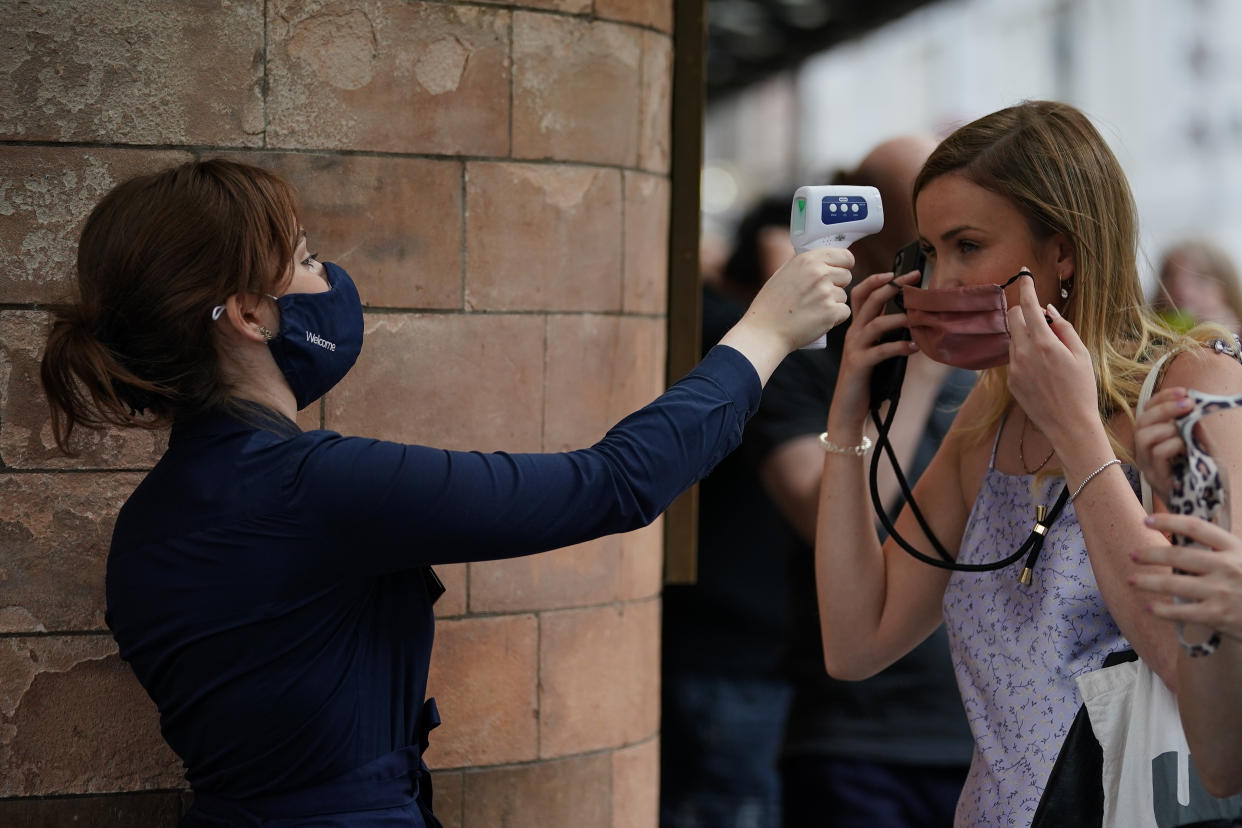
833	216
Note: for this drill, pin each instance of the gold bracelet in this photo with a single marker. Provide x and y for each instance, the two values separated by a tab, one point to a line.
1089	477
858	450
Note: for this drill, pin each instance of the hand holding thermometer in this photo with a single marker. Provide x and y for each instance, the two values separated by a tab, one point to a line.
833	216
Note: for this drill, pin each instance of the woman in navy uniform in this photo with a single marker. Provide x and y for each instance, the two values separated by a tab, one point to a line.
272	588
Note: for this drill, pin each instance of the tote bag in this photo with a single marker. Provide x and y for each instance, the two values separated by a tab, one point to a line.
1147	776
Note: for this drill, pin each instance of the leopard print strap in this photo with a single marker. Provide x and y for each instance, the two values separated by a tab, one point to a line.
1196	486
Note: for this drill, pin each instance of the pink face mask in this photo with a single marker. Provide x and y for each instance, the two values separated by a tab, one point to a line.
966	327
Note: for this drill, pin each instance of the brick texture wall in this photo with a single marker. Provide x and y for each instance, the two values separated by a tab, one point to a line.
495	177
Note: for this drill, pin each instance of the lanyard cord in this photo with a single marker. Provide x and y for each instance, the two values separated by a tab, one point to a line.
1031	548
883	443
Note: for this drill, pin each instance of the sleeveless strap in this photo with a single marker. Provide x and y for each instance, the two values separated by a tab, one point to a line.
996	442
1149	386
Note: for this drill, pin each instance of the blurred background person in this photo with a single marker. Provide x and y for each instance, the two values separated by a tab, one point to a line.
713	254
1198	283
724	692
892	750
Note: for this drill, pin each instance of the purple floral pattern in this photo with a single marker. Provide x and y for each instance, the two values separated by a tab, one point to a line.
1016	649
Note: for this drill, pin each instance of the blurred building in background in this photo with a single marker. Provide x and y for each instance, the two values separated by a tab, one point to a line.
1161	81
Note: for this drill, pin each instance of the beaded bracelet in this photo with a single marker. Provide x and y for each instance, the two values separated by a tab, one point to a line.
1088	478
858	450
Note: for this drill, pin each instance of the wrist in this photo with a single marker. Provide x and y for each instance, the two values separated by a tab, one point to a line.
1092	475
1084	450
763	347
754	325
845	430
858	449
1083	465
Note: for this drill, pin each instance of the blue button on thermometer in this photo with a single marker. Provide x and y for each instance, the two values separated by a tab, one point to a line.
833	216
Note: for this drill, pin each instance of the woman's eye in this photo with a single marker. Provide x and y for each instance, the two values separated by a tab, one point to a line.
928	251
967	246
309	260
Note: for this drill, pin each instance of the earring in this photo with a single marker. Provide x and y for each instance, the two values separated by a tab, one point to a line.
1067	285
266	334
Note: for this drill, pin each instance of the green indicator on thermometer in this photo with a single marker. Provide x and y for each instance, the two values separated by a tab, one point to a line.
799	216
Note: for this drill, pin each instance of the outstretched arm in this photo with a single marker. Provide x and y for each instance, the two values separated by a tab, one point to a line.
398	506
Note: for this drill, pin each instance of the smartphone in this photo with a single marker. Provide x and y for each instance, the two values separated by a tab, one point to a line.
887	376
910	257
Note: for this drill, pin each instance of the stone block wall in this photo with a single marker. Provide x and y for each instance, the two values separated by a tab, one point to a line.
496	178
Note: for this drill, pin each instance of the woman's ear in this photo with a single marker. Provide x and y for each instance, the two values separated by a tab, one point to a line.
1064	248
244	316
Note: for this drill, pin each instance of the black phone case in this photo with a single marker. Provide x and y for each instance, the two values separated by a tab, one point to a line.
887	376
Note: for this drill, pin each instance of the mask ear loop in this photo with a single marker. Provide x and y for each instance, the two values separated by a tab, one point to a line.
1017	276
1031	548
267	335
219	310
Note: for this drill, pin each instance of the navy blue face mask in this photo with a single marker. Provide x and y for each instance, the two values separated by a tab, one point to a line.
320	336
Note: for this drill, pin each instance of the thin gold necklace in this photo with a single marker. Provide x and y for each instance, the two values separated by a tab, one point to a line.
1022	456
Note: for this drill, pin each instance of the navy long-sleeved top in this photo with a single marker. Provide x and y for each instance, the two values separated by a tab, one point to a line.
267	585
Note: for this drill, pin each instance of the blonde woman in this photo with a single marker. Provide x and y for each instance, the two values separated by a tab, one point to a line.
1031	187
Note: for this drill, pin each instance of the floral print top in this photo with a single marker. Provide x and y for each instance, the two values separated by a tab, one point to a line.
1016	649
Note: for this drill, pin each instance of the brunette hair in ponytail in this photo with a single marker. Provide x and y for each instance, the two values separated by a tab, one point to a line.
155	256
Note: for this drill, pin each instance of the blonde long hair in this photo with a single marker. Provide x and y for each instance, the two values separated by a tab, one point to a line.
1048	159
